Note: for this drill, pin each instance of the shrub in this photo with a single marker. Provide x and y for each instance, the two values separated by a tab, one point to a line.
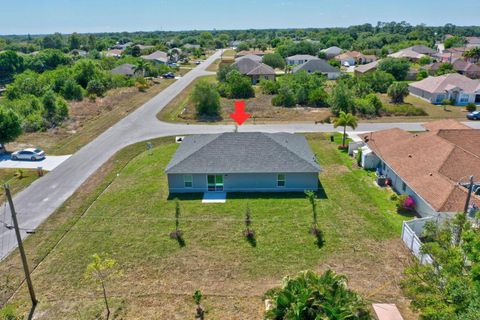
141	84
96	87
422	74
269	87
206	99
71	90
405	202
240	86
471	107
318	97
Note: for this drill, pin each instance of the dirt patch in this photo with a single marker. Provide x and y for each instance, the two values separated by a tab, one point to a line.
374	272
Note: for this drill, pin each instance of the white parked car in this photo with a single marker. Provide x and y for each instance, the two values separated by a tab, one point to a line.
29	154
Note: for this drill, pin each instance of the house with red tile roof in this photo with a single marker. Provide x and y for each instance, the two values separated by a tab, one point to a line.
432	167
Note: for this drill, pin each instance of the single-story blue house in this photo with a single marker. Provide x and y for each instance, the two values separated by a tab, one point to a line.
243	162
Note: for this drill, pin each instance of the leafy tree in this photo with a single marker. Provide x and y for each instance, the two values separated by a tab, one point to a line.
345	120
239	86
309	296
269	86
424	60
341	99
223	70
10	125
71	90
75	41
242	47
448	288
10	64
96	87
445	68
378	80
55	108
396	67
454	42
206	99
318	97
54	41
274	60
84	71
136	52
473	53
27	82
398	91
100	271
370	105
422	74
48	59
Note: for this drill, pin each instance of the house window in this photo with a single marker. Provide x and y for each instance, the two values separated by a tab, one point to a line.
281	180
464	98
383	166
188	181
404	186
440	98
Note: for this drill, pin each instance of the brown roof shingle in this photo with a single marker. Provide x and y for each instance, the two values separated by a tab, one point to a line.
432	163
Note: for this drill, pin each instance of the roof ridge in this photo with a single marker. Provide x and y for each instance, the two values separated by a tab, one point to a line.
288	148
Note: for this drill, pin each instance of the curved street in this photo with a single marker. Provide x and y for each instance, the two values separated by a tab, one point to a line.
38	201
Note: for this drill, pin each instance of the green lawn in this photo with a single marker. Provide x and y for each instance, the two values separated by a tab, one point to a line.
132	218
17	183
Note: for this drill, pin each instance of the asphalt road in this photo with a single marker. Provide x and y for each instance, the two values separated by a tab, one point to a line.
37	202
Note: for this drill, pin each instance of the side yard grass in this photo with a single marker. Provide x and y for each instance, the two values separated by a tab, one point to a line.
124	210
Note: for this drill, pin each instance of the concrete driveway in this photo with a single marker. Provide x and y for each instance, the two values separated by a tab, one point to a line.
49	163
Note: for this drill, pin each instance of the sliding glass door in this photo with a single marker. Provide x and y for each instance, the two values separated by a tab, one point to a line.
215	182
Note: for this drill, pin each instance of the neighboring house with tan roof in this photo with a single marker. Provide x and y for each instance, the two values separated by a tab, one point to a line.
407	53
366	68
455	87
115	53
248	52
354	57
257	71
431	167
463	67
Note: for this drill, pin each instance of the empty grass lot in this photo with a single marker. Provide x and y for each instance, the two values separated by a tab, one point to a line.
133	215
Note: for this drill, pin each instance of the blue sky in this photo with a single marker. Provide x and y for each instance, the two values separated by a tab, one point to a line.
66	16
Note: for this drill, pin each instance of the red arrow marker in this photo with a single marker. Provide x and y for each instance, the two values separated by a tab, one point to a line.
239	115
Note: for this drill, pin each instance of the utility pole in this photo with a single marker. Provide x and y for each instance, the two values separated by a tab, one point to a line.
20	246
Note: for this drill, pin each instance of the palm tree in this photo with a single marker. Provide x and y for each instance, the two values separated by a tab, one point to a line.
309	296
345	120
473	53
141	67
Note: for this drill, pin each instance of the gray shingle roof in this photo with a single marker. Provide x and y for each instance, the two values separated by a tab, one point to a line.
301	57
244	152
316	65
250	67
124	69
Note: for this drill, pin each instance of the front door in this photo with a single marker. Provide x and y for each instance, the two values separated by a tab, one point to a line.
215	182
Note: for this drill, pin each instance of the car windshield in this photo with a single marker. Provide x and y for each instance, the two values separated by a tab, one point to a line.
37	150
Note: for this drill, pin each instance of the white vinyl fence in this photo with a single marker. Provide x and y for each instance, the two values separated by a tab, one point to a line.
411	232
